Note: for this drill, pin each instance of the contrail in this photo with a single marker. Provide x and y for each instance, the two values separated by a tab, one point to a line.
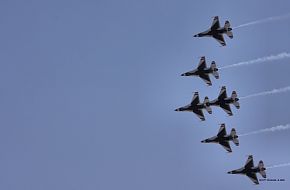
274	91
265	20
278	166
279	56
271	129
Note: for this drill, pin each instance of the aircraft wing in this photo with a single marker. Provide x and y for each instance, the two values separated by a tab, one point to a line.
253	177
205	78
202	63
226	145
220	39
215	23
227	109
222	130
223	93
199	114
195	99
249	162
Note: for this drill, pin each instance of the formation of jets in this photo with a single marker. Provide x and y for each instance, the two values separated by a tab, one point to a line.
222	101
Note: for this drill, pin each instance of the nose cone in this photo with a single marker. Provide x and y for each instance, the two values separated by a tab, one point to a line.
237	99
195	35
203	141
176	109
230	29
183	74
230	172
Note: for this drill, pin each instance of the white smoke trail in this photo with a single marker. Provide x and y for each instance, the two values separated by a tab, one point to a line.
278	166
259	60
265	20
271	129
274	91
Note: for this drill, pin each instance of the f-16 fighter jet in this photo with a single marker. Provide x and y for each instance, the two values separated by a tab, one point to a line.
223	138
216	31
224	101
203	72
250	171
196	107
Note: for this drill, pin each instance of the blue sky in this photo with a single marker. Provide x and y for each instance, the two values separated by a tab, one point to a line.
88	90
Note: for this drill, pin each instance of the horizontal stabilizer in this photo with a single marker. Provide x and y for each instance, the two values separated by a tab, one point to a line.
230	34
262	169
214	70
235	137
207	105
237	105
228	29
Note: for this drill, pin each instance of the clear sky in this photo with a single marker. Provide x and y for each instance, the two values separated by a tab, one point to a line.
88	90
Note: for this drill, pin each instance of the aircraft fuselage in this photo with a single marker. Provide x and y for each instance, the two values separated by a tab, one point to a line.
221	101
191	107
211	32
198	72
246	171
220	139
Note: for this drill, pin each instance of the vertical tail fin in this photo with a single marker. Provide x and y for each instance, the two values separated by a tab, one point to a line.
262	169
235	137
214	70
207	105
228	29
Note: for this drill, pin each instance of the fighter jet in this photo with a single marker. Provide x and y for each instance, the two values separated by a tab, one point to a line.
223	138
203	71
217	32
250	171
224	101
196	107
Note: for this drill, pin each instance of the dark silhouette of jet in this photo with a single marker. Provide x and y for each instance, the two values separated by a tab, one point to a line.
203	71
196	107
250	170
223	138
224	101
216	31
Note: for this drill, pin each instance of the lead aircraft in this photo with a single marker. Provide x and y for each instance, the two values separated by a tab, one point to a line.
216	31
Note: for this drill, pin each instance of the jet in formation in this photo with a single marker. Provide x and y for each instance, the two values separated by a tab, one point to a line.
196	107
203	71
216	31
223	138
224	101
250	170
